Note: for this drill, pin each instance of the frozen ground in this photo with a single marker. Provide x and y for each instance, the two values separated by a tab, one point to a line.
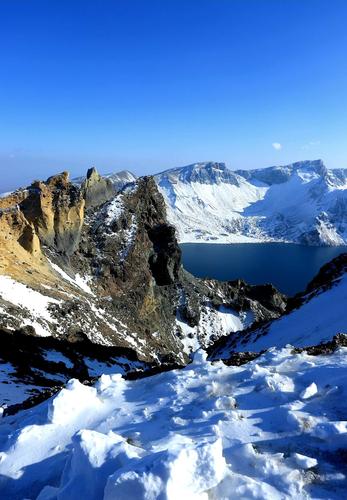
272	429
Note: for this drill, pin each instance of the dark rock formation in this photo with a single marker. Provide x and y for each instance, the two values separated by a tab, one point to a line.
139	296
165	261
325	348
328	273
97	190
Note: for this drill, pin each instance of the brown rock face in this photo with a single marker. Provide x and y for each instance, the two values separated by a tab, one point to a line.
56	210
116	273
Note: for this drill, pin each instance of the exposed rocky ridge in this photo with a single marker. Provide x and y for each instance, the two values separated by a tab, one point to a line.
241	358
325	300
113	272
328	274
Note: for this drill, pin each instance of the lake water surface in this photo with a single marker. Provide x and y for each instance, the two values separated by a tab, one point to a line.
289	267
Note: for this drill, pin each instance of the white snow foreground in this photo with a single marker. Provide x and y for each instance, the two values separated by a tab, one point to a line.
206	431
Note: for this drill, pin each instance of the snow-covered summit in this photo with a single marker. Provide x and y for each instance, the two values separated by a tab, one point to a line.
279	174
303	202
203	172
120	179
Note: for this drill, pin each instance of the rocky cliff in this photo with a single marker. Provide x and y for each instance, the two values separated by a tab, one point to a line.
82	261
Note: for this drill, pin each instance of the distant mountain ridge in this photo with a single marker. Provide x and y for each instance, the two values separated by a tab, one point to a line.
303	202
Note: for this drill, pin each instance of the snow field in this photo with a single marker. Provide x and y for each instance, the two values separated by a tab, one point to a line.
271	429
34	302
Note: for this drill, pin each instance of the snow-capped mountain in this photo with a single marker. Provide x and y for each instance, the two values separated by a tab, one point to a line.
303	203
91	283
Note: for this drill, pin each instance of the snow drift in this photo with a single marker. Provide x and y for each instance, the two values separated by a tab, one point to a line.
271	429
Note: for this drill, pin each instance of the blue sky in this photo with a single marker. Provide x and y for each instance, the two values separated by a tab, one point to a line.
148	85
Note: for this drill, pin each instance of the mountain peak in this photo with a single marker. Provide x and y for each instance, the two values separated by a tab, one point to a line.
208	172
279	174
92	173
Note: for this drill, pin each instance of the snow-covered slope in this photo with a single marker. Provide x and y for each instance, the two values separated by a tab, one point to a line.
303	202
316	321
320	314
272	429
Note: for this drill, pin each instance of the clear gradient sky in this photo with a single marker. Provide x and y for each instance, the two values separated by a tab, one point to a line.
152	84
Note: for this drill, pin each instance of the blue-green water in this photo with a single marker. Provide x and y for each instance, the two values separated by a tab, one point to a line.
289	267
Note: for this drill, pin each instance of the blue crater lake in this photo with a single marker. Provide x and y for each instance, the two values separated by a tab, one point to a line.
287	266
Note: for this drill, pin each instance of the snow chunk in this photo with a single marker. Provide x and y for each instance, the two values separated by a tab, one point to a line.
205	431
310	391
184	471
95	457
75	399
304	462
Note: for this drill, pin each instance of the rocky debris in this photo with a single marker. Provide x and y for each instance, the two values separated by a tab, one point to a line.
47	363
265	301
240	358
96	189
325	348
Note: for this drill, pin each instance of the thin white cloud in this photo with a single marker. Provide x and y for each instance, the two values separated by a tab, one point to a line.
277	146
310	145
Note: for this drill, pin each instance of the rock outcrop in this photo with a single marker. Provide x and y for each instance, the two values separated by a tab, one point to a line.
110	269
56	209
97	190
